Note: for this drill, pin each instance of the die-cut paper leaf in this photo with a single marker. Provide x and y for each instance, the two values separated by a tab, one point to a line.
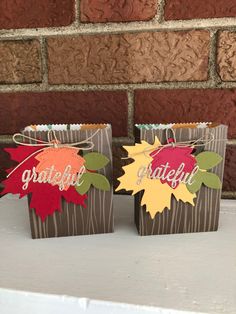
208	160
175	157
157	195
128	181
211	180
205	161
85	184
20	154
45	198
99	181
95	161
197	182
60	157
13	184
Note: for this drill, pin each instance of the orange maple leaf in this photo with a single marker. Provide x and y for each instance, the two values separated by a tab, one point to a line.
60	158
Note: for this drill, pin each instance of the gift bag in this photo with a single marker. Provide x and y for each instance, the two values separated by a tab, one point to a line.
176	177
66	172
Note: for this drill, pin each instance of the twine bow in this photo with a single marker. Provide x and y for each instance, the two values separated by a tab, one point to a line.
51	142
172	142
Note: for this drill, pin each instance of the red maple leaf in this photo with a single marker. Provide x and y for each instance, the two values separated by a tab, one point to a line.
45	198
174	156
13	183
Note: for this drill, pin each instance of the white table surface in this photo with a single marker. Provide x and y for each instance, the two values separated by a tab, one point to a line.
188	272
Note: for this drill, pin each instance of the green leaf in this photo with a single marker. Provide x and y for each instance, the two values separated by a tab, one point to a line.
97	180
100	182
211	180
95	161
208	160
85	184
197	182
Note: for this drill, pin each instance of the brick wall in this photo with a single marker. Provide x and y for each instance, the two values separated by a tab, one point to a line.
118	61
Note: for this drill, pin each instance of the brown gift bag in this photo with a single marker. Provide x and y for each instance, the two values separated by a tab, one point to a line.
74	220
183	217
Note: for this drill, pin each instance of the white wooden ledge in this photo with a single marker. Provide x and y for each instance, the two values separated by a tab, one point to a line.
132	274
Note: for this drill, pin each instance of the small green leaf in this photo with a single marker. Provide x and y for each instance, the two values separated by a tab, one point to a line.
196	182
208	160
95	161
85	182
211	180
100	182
97	180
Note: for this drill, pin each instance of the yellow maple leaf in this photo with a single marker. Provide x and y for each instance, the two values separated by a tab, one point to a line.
157	196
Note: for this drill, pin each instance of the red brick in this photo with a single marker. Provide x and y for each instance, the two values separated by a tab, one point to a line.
196	9
230	169
187	105
21	109
20	62
226	58
130	57
36	13
117	10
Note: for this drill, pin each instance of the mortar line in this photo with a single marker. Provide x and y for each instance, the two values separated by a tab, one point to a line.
39	87
229	194
231	142
213	58
77	13
114	28
44	63
110	87
232	84
120	141
130	94
160	13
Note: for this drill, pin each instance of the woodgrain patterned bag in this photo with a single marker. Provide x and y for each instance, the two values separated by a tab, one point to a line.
176	177
66	171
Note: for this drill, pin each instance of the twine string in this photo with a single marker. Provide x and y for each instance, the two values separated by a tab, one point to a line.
197	143
168	138
52	142
202	141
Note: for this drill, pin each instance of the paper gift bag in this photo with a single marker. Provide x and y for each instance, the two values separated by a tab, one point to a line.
176	177
66	171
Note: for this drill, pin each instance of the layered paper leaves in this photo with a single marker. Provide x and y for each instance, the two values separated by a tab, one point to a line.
60	157
157	195
45	195
45	198
206	161
93	162
175	156
157	192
